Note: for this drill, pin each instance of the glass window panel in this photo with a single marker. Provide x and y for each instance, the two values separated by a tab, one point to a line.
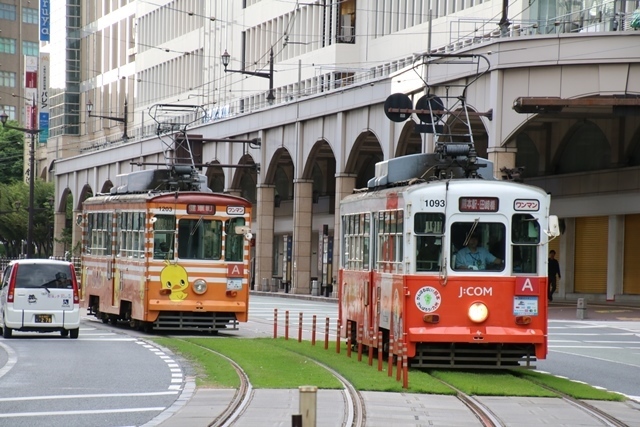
7	45
477	246
234	244
30	16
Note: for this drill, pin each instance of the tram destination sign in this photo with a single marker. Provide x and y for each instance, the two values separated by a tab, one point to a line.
478	204
193	208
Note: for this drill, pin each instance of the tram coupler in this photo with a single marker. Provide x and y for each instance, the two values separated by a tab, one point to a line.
581	311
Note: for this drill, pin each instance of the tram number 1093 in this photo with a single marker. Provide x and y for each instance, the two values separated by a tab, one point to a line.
431	203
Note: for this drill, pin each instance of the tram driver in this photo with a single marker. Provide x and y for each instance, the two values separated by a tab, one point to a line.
474	257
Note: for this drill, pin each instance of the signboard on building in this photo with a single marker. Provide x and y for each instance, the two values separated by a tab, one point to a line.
45	19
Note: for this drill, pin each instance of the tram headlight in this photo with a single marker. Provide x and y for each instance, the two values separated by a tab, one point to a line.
478	312
199	286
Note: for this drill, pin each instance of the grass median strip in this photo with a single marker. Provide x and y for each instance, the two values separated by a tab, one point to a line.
284	363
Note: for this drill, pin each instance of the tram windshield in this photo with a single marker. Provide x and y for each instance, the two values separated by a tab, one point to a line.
477	246
199	238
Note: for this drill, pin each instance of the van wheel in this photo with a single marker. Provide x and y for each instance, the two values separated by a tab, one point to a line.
64	333
74	333
6	332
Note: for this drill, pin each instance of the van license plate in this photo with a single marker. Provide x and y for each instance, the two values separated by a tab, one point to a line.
43	318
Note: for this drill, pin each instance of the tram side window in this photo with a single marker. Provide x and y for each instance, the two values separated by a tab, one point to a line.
478	246
356	231
199	239
525	235
131	234
99	228
389	250
428	228
164	230
233	245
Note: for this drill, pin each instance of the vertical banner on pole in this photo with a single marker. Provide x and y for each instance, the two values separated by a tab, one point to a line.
31	90
43	100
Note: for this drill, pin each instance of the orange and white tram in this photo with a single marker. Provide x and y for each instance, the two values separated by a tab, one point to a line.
167	260
453	267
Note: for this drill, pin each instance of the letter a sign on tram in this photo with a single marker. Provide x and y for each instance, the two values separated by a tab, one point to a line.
527	286
234	270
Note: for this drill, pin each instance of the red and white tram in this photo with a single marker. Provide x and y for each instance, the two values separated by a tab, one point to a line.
453	267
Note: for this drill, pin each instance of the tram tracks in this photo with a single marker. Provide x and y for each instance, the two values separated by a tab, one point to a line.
600	415
489	413
488	418
355	409
354	413
241	399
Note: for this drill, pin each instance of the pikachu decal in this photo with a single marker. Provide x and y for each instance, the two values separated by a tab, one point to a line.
175	278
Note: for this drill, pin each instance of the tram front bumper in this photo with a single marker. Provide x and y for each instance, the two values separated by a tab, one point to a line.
205	306
476	334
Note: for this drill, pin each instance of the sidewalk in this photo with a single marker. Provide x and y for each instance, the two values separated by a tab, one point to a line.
275	408
200	407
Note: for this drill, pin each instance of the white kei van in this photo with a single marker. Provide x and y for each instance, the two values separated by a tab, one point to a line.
39	295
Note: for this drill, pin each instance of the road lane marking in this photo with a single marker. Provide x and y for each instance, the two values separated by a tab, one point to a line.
177	376
12	359
85	396
86	412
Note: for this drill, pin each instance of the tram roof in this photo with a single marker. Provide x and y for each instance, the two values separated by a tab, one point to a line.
397	197
219	199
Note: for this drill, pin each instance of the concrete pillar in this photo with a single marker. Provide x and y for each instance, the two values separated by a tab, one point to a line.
59	219
345	183
264	233
502	158
302	220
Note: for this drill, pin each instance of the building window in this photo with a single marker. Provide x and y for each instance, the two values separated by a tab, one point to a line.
7	78
8	11
30	16
7	45
9	110
30	48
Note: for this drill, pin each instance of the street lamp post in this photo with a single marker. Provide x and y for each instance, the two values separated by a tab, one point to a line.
123	120
32	154
270	97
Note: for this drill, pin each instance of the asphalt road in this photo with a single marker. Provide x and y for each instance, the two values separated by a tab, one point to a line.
104	378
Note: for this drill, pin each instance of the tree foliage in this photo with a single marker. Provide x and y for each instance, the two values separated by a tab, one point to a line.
11	154
14	218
